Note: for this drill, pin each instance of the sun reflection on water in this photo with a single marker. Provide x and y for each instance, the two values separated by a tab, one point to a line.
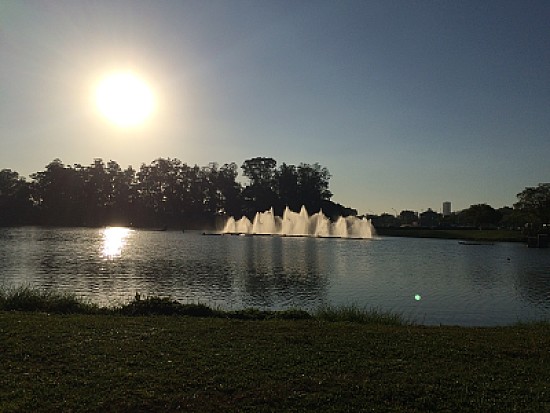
114	240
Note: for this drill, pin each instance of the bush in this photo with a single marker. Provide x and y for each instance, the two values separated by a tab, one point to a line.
164	306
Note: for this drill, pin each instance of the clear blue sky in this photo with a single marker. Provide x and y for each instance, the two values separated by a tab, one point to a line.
407	103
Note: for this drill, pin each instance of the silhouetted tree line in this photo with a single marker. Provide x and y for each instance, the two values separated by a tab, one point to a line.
167	192
531	214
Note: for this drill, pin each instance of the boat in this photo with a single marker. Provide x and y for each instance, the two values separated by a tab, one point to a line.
475	243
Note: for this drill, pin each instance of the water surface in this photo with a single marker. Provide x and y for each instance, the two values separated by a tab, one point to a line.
428	280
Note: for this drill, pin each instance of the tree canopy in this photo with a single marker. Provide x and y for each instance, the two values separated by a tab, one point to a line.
534	202
169	192
165	192
531	214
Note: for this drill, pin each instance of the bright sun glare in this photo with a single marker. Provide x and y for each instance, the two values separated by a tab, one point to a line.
124	99
114	240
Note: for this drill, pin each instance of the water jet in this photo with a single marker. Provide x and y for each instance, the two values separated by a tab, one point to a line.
300	224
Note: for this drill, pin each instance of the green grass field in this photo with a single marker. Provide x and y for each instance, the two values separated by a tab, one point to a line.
60	354
114	363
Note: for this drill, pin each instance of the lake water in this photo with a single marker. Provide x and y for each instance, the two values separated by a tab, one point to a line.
427	280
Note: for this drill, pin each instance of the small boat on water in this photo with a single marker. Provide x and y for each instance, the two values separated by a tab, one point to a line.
153	229
475	243
157	229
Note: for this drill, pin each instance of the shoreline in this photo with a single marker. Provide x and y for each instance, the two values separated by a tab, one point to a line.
29	300
490	235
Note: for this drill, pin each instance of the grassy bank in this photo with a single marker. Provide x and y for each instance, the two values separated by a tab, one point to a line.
27	299
101	360
178	363
489	235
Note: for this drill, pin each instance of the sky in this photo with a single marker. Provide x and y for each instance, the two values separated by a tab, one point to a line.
407	103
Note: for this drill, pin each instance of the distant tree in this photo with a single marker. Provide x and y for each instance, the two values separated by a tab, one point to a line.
334	210
289	185
480	215
260	194
430	219
170	192
313	183
259	170
212	197
286	178
97	190
408	217
164	192
121	194
229	190
58	196
534	204
451	220
15	199
511	218
384	220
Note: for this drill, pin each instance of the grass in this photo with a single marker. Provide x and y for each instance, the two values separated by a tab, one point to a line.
32	300
29	299
359	315
97	363
207	360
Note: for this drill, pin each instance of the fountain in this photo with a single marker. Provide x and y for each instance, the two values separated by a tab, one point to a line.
300	224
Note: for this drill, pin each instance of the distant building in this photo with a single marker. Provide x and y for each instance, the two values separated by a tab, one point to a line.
446	209
429	219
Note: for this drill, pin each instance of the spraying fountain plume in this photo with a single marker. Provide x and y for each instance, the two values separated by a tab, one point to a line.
300	224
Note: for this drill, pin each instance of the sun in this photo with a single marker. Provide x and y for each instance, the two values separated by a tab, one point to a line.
124	99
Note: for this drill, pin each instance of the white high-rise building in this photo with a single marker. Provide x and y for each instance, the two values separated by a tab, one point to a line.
446	208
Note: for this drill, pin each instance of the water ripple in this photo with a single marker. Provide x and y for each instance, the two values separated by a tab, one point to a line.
430	281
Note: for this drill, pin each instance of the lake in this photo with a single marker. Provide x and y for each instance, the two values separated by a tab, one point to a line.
430	281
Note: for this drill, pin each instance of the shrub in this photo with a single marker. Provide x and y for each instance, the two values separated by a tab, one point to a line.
164	306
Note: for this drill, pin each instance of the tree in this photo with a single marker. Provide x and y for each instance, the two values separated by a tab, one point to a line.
122	195
430	219
480	215
511	218
289	185
97	192
286	178
313	186
170	192
260	194
384	220
58	195
260	171
408	217
15	200
165	192
229	190
333	210
162	190
534	204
